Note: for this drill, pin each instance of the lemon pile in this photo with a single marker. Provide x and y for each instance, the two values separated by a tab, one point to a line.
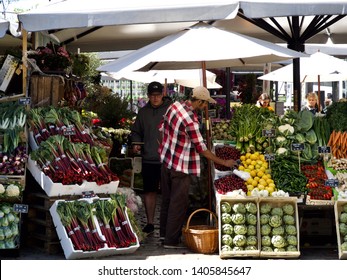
256	165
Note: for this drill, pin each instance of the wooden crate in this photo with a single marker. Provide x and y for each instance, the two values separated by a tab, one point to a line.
46	90
338	209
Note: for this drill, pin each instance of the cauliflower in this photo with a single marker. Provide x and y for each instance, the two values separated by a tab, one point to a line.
12	190
288	220
278	241
281	152
288	209
290	229
2	189
286	129
252	230
240	229
343	218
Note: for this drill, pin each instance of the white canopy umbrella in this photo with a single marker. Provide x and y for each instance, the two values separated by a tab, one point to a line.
318	67
187	77
4	25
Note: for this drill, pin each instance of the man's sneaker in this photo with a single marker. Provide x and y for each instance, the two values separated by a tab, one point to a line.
149	228
175	246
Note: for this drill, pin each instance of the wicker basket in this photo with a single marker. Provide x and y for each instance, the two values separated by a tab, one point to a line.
201	238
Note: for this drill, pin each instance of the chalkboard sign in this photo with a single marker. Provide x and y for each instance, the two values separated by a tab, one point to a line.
331	183
20	208
212	113
88	194
269	132
269	157
297	146
24	101
324	150
68	131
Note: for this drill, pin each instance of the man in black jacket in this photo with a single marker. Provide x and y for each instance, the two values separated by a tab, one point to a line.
145	129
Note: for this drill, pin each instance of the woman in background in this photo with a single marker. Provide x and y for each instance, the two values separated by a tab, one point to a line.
311	103
264	101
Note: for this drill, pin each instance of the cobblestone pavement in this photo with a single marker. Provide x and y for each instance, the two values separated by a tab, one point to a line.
151	249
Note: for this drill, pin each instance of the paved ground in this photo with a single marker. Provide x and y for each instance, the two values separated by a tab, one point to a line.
151	249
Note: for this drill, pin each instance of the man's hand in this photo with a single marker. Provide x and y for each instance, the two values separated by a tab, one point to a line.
136	149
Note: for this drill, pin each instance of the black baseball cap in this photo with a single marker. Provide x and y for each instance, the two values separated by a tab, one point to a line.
155	88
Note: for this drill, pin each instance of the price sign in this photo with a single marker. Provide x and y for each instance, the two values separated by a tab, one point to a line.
68	131
269	132
20	208
324	150
24	101
88	194
212	113
331	183
269	157
297	146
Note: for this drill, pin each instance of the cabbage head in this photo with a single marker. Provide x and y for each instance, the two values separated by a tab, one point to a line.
266	249
275	221
277	230
265	229
344	208
238	219
265	208
239	240
226	248
226	218
343	229
227	239
277	211
311	137
251	240
266	240
251	219
227	229
251	207
343	218
291	248
240	229
300	138
292	240
290	229
251	248
288	209
251	230
278	241
239	208
225	207
344	246
264	219
288	220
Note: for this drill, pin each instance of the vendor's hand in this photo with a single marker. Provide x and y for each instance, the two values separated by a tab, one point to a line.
137	148
231	163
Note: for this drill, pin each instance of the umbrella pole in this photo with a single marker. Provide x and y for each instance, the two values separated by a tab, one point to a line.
24	59
318	101
208	140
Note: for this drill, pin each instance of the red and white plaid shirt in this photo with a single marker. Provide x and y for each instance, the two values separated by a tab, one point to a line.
182	141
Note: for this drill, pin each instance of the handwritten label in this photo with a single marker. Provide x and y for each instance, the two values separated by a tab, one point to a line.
88	194
20	208
269	157
297	146
212	113
324	150
68	131
269	132
331	183
24	101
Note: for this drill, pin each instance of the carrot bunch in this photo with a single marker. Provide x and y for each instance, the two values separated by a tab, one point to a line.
338	144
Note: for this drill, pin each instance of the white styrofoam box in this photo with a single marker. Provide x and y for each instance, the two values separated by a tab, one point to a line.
58	189
71	253
32	141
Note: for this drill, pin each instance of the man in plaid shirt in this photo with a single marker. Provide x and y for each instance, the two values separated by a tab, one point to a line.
180	150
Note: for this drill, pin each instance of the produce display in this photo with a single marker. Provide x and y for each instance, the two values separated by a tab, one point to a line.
239	226
278	226
341	227
9	227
